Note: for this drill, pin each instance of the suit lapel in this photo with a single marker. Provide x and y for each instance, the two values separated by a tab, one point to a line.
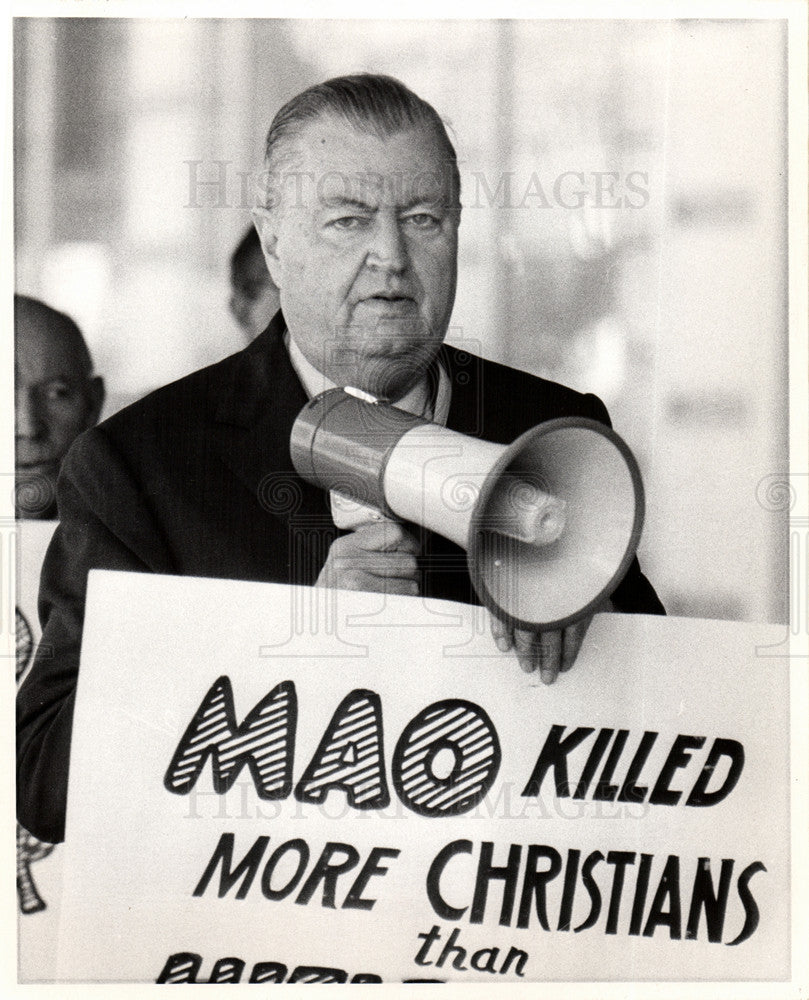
252	417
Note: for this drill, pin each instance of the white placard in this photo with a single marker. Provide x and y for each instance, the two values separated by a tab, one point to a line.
410	708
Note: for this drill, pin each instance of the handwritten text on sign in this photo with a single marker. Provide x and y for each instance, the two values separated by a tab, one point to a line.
419	809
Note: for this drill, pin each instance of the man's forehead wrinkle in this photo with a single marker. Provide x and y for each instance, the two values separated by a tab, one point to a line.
343	201
336	161
407	204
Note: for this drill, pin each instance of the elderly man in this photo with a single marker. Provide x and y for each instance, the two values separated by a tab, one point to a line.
56	398
359	231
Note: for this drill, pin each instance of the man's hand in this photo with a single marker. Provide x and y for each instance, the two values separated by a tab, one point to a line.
380	556
552	652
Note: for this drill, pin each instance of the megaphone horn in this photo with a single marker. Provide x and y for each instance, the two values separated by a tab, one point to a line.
550	523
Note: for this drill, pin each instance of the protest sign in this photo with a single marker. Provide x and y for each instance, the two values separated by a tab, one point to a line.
39	865
271	784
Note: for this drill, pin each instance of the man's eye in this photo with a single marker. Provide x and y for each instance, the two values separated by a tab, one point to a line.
423	220
58	391
348	222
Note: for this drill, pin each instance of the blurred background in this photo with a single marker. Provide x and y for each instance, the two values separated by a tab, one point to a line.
624	228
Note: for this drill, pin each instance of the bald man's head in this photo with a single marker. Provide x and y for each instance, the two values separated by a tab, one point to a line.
56	398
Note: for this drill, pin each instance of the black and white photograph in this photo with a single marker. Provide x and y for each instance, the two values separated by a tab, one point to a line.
408	534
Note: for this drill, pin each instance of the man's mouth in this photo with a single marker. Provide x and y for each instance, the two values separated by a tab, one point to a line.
390	302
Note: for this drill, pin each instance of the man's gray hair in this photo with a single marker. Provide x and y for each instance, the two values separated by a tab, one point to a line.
369	102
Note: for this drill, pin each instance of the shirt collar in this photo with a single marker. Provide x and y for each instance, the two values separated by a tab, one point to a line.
425	399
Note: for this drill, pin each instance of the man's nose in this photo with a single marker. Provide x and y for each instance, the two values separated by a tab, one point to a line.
388	248
28	421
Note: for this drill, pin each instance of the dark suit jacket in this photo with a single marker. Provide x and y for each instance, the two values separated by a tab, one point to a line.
196	479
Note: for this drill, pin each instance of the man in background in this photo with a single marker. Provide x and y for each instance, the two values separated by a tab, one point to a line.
254	299
56	397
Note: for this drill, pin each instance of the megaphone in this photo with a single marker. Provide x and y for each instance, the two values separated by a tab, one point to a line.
550	523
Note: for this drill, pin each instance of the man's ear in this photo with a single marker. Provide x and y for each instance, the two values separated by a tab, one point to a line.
265	220
95	398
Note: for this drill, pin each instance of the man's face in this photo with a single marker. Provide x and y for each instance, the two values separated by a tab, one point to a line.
253	297
363	246
55	400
